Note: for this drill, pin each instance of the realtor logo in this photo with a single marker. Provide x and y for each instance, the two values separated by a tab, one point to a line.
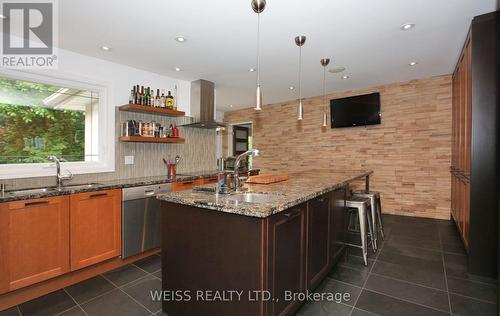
29	34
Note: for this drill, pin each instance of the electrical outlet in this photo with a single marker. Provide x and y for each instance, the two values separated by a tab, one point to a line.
129	160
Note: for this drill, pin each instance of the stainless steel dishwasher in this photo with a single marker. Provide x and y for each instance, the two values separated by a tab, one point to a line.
141	218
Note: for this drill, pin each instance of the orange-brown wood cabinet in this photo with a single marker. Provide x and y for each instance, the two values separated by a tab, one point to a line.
186	185
95	227
34	241
475	149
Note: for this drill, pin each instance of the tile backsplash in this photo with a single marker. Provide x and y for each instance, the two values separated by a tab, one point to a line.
197	153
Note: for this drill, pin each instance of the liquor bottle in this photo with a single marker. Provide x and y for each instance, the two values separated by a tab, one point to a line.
157	100
162	99
152	98
136	94
175	99
141	96
145	97
131	97
170	101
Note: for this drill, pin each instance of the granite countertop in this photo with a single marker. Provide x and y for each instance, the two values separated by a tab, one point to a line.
108	185
300	187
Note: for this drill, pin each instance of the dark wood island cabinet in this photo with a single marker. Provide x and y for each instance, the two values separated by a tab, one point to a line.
220	263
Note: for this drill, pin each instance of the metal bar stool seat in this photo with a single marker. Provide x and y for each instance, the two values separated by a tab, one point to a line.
376	210
362	206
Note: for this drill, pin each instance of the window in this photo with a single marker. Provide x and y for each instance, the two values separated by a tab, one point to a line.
38	119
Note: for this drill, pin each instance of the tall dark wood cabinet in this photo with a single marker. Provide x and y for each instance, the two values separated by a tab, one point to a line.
475	144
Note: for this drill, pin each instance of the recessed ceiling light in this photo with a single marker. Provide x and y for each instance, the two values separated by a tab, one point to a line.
230	105
407	26
345	77
251	69
413	63
106	48
180	39
291	87
2	16
177	69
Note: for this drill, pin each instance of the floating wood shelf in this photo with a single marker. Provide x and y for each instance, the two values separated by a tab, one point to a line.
150	109
142	139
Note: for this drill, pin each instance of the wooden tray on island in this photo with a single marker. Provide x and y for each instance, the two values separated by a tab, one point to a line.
267	179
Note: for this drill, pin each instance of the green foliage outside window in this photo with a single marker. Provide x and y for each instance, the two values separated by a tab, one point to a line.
29	131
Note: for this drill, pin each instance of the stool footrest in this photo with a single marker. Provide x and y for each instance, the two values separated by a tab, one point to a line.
351	245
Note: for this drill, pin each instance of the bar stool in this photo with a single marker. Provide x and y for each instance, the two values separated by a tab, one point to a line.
362	205
376	210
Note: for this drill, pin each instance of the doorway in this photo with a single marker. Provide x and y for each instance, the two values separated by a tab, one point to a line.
240	140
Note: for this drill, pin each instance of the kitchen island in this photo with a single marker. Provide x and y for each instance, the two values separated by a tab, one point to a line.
252	253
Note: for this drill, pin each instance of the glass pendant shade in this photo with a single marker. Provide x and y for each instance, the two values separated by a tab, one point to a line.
324	62
300	111
258	99
300	41
258	6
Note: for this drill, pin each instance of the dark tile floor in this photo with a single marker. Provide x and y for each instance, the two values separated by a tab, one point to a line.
420	269
124	291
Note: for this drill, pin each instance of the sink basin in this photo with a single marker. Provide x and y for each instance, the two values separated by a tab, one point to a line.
53	189
81	186
251	197
31	191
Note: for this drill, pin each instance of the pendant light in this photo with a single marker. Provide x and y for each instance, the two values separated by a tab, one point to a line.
324	62
258	6
299	41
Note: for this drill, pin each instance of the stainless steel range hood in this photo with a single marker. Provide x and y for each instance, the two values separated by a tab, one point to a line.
203	105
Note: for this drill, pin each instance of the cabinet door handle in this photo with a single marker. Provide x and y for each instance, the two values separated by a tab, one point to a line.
98	195
36	203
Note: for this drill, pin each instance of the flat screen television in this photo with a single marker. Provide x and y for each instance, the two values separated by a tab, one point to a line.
360	110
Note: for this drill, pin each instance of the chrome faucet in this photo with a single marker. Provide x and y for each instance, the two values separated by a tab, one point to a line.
60	178
251	152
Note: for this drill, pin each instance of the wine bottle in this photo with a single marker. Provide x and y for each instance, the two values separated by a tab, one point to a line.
169	101
148	97
136	95
131	96
162	99
152	98
145	97
157	100
175	99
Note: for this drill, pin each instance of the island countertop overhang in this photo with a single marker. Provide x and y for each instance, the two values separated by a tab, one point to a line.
299	188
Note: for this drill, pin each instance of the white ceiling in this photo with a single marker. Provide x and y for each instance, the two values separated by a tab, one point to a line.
362	35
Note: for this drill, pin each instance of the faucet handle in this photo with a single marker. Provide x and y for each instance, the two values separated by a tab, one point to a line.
68	176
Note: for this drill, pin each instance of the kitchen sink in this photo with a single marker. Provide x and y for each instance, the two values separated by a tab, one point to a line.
252	197
53	189
81	186
32	191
